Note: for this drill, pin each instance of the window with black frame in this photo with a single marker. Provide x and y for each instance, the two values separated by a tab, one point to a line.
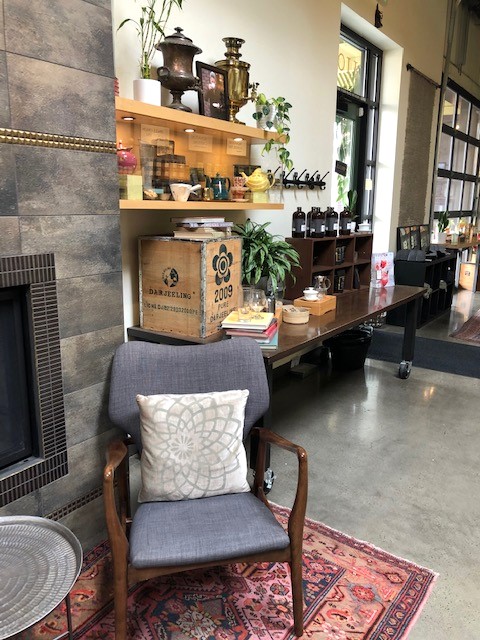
356	127
458	159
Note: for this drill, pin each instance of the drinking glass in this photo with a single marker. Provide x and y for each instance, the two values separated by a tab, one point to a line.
258	301
244	304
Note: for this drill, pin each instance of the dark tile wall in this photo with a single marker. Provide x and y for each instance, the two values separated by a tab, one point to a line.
56	77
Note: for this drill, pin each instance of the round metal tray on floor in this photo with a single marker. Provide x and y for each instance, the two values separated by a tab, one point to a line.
40	561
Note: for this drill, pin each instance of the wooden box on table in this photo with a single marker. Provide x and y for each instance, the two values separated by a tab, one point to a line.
188	287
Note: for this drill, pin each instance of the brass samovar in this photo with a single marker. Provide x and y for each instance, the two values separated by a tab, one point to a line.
237	77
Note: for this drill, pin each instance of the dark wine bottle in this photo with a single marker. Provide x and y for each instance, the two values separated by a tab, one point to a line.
298	223
331	223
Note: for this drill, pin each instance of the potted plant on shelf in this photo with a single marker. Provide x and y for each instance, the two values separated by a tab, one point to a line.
266	259
352	207
275	114
442	223
150	28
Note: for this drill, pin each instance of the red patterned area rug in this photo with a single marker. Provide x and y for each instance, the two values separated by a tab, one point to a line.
353	591
470	330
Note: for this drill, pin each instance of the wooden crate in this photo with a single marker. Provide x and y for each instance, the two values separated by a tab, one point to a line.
466	278
188	286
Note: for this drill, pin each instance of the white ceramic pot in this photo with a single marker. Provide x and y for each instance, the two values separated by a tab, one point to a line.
364	226
147	90
442	237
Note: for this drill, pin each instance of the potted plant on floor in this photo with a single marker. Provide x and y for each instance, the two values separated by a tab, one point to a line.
150	28
266	259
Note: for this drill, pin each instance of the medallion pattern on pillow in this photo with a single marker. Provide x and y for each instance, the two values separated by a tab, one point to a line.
192	445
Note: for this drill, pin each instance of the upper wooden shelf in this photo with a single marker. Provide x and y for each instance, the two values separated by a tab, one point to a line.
177	120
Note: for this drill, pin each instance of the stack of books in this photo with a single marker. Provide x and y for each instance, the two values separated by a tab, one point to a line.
201	228
262	327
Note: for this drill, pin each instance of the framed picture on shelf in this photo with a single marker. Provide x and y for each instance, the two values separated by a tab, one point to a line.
415	237
424	236
213	93
403	238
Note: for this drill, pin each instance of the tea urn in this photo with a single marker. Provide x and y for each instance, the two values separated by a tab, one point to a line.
176	74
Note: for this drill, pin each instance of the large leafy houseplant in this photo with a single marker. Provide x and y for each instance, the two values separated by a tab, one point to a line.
150	29
277	114
265	255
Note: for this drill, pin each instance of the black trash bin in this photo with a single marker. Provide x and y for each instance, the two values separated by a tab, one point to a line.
349	349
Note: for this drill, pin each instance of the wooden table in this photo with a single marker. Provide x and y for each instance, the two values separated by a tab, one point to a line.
294	340
352	309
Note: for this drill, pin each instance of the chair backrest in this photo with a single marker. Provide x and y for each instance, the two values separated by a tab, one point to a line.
147	368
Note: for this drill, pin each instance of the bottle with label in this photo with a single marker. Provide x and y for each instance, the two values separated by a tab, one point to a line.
298	223
331	222
345	219
308	227
317	227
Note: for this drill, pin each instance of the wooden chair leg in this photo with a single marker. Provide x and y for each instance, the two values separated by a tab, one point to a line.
297	595
120	594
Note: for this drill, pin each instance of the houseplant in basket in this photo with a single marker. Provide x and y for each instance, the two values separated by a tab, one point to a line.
150	28
266	259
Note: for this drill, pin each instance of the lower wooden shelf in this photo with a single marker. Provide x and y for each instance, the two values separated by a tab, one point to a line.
214	205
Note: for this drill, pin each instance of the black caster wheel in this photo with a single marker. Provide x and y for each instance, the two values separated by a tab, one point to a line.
268	481
404	369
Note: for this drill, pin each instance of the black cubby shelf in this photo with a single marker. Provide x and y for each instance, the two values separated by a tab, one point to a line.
439	275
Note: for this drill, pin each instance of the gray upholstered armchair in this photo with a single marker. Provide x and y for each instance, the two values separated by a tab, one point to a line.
245	527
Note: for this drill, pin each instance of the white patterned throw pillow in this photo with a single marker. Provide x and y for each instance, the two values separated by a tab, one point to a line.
192	445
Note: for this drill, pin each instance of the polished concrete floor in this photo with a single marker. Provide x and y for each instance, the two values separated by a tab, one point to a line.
396	463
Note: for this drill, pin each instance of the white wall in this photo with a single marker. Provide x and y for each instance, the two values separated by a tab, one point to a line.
292	49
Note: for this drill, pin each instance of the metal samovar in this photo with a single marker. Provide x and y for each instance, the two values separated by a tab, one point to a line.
176	74
237	77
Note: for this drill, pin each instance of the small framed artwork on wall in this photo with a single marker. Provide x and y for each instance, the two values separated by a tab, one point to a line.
213	93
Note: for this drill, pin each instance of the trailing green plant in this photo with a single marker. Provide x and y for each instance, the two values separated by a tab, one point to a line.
279	111
265	255
442	221
150	29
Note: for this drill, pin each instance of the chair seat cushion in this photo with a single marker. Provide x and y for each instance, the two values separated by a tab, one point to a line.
203	530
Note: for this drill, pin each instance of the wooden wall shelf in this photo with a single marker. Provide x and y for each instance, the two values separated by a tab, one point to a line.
218	205
179	120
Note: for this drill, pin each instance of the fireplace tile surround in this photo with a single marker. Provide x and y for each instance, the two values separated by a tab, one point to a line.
38	272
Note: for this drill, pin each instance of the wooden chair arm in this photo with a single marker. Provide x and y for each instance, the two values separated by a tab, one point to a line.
297	514
116	469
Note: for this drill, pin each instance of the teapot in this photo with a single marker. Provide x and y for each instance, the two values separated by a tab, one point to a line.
321	285
220	186
259	180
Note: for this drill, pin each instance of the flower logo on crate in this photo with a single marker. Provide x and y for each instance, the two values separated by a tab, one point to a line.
222	263
170	277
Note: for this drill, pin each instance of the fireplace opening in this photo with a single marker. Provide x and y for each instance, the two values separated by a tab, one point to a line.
18	430
32	411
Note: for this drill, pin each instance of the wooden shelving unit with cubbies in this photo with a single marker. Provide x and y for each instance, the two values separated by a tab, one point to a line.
344	260
212	144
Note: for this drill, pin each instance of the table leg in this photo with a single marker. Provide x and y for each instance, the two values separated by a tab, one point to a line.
408	346
69	617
